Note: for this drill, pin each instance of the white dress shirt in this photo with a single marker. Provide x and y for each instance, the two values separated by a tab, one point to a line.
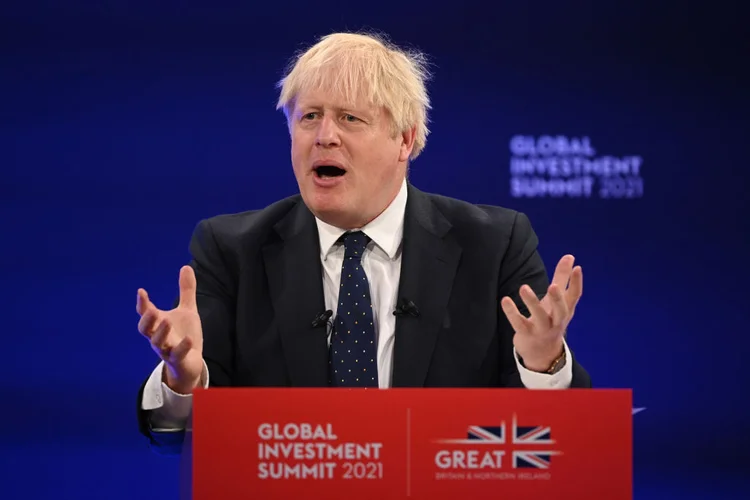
382	263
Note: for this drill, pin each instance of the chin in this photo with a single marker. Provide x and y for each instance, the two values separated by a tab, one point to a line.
327	207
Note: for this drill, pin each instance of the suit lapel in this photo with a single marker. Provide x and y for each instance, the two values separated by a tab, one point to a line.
429	261
296	285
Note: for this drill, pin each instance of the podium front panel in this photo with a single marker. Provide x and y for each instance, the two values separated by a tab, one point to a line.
412	443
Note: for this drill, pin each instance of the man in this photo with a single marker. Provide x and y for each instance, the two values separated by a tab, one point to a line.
361	280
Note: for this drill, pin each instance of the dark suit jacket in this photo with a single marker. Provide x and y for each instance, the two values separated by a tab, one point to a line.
260	287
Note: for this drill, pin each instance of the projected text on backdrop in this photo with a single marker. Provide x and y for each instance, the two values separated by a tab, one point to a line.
569	167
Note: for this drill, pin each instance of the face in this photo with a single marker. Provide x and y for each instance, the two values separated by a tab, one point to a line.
348	164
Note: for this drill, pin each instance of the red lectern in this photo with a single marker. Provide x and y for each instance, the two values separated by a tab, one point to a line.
412	444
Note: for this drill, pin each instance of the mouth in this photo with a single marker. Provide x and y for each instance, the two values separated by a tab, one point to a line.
328	171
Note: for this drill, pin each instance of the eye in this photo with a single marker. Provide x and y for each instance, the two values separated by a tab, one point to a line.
309	116
351	118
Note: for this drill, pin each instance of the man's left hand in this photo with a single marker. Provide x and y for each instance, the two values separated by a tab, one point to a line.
538	339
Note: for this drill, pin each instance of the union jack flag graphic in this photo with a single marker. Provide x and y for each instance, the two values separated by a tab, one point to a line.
487	434
524	441
528	458
480	435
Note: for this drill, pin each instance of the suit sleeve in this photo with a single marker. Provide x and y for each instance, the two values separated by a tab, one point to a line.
521	265
215	298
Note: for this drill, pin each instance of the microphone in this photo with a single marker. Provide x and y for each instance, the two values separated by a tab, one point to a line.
406	308
322	319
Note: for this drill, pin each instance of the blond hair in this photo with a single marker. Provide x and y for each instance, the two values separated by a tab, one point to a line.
364	65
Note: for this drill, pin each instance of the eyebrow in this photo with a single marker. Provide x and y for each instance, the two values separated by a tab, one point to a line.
339	109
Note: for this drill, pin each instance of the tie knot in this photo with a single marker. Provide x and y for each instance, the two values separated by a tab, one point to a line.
354	244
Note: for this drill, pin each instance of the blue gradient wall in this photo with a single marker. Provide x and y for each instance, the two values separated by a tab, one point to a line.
124	124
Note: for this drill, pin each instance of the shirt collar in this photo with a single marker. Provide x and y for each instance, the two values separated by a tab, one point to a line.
386	230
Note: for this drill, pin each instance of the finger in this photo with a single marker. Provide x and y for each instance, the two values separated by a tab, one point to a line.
142	302
181	350
575	290
159	338
562	271
559	307
539	316
519	322
148	322
188	288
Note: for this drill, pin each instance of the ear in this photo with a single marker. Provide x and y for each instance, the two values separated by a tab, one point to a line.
289	110
407	143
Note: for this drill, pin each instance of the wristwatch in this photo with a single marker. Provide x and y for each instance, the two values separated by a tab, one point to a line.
555	367
557	364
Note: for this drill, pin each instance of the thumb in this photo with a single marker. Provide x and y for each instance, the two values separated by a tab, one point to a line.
142	302
188	288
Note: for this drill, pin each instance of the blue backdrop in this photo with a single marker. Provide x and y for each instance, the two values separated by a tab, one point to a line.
124	123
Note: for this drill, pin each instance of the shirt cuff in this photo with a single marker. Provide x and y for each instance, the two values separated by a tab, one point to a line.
170	410
535	380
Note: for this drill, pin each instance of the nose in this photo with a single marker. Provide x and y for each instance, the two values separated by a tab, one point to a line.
328	133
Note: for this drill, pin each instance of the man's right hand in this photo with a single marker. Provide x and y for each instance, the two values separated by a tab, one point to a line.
176	336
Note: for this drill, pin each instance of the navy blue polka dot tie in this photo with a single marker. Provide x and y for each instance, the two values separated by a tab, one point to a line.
353	359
